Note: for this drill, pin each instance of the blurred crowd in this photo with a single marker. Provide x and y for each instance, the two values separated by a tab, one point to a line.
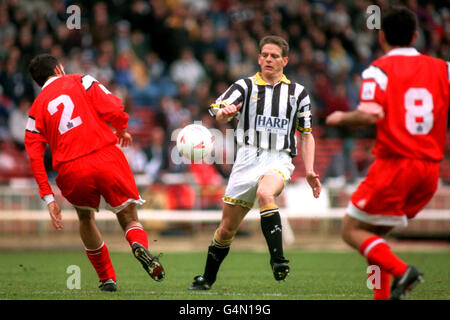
172	58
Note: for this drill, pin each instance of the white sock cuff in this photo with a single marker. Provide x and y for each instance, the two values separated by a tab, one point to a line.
101	246
136	227
372	245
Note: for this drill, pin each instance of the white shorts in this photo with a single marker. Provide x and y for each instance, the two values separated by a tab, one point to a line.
249	167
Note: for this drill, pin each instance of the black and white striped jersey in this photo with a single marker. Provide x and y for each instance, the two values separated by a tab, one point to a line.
269	114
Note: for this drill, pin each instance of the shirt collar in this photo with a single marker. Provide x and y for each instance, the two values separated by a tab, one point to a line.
403	52
50	80
259	80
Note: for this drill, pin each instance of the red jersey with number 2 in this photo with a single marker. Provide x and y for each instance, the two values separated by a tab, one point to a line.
71	114
413	90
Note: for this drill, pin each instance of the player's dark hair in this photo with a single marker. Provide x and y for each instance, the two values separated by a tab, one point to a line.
42	67
276	40
399	25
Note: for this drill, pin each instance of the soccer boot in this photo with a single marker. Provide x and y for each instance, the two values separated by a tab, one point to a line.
108	285
280	269
150	263
200	283
405	283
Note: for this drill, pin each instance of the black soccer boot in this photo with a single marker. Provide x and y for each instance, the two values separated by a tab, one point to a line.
108	285
200	283
405	283
150	263
280	268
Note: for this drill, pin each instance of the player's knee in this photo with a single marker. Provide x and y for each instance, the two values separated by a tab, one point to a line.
264	197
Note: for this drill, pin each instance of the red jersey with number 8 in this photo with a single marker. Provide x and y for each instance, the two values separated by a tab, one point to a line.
413	90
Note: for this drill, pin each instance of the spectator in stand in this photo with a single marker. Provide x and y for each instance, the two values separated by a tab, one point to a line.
6	107
18	122
156	154
187	69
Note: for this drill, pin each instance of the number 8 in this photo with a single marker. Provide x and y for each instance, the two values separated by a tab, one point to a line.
419	111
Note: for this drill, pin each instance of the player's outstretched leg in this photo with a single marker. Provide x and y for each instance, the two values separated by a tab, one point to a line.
232	216
405	283
138	240
368	240
217	252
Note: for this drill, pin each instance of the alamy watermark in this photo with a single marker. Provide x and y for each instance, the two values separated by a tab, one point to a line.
74	19
374	17
374	279
74	280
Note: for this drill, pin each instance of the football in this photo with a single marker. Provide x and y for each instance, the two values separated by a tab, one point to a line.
195	142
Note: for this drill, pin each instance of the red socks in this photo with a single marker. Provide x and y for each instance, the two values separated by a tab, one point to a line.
377	252
137	234
384	291
101	261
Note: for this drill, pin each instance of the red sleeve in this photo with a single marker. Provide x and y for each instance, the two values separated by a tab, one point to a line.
108	106
373	86
35	145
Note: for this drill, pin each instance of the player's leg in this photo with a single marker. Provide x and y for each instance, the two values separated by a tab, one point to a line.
232	216
269	187
114	180
368	240
138	240
96	249
129	222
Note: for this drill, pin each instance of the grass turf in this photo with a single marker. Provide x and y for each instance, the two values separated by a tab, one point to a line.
243	276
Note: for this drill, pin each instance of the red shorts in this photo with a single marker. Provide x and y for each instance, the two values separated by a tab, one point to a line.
395	190
103	173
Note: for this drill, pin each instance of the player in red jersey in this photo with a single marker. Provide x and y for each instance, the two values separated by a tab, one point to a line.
406	94
71	115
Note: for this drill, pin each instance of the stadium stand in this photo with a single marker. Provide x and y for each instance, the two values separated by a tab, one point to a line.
132	48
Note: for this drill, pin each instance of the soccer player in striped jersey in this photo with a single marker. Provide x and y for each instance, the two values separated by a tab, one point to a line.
270	108
71	114
406	94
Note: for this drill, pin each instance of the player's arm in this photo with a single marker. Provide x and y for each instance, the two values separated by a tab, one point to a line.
35	145
109	107
307	150
227	106
367	113
370	108
307	142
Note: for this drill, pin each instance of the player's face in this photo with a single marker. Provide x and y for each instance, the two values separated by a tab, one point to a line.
271	61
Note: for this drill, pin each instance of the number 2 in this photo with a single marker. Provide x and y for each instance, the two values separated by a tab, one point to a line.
66	123
419	111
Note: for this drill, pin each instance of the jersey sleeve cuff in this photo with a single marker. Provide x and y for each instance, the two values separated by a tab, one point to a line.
49	198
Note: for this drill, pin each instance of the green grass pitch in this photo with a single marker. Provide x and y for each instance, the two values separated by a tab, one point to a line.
243	276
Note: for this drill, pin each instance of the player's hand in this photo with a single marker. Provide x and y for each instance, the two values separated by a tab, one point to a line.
314	182
55	214
229	112
335	118
124	138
